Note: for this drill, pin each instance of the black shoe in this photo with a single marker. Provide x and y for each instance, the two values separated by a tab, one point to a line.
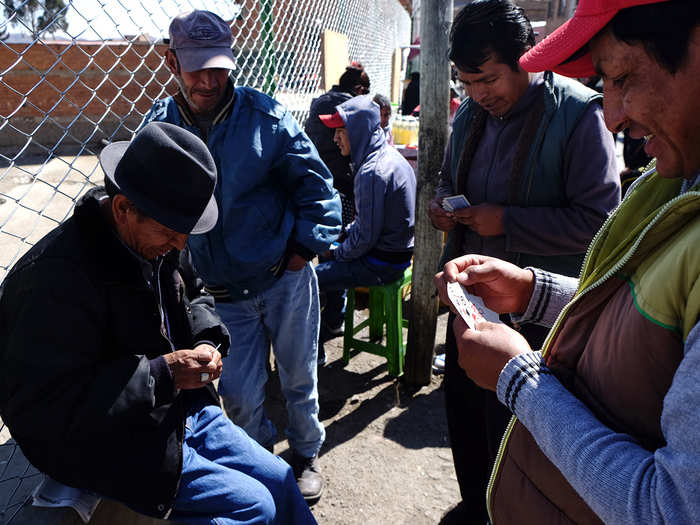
460	515
308	478
337	331
327	333
334	331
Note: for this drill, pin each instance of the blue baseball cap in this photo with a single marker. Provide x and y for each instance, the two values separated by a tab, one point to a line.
201	40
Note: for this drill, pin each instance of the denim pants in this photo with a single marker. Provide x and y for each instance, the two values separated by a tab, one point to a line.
228	478
287	316
335	276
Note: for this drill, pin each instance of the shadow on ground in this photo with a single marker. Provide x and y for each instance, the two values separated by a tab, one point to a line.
352	400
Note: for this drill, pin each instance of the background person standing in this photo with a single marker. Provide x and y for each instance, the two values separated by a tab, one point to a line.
533	157
278	209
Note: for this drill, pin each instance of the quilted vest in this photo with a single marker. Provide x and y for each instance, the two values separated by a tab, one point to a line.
541	184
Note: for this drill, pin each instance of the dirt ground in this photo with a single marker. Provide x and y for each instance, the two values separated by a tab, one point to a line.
386	459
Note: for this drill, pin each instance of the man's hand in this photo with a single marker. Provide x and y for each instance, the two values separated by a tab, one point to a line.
187	366
504	287
485	351
484	219
441	219
296	263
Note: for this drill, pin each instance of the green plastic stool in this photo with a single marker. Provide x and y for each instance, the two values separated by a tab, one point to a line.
384	310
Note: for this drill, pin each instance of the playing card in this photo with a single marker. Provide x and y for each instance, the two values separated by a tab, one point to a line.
456	202
464	306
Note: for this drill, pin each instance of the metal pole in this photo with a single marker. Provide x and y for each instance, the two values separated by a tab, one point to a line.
436	18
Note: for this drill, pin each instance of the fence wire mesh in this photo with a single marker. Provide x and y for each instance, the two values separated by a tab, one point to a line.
77	74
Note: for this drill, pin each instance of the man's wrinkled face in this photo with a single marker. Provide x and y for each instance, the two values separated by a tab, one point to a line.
342	140
642	96
150	239
203	89
142	234
497	88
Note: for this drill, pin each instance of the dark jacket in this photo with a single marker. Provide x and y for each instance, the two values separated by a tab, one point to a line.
82	387
322	137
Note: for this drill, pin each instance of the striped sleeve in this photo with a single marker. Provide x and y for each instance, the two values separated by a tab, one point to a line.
551	293
529	367
620	480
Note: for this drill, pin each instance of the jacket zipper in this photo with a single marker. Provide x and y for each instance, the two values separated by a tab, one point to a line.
555	327
163	316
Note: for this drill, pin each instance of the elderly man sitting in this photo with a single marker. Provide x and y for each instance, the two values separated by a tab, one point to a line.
106	366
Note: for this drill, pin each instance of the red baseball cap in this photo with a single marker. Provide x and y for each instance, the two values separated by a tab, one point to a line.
333	121
590	17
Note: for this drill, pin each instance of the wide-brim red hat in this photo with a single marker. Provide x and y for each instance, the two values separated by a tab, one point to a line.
590	17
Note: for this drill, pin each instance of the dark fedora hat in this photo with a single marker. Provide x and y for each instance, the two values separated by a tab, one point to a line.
168	173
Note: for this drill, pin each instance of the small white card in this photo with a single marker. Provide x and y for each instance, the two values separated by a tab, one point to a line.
464	306
456	202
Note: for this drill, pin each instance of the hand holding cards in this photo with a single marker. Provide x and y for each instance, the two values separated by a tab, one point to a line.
464	306
456	202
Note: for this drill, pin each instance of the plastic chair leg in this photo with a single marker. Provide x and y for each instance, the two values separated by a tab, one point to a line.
394	335
376	314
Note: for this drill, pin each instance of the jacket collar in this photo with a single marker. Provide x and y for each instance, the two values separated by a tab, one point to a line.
120	263
222	112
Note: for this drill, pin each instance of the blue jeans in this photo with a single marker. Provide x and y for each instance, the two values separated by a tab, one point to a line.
335	276
228	478
286	315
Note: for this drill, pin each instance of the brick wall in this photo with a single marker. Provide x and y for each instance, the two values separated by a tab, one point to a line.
64	94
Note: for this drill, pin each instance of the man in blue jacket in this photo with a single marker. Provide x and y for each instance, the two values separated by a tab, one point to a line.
278	209
379	243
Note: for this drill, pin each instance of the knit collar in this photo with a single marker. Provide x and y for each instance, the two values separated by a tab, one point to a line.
222	111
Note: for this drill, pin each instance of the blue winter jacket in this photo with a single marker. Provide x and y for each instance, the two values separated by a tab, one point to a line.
385	189
274	193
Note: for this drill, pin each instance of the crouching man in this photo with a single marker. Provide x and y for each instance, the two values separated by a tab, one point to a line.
106	367
379	244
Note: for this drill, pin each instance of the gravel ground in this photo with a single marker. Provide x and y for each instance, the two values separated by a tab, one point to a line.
386	458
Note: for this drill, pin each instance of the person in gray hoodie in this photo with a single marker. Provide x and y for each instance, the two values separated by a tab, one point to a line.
378	244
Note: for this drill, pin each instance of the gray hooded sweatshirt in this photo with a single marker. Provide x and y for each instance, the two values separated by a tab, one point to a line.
385	189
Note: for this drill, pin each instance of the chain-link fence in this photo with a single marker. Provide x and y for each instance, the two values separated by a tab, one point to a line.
75	74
